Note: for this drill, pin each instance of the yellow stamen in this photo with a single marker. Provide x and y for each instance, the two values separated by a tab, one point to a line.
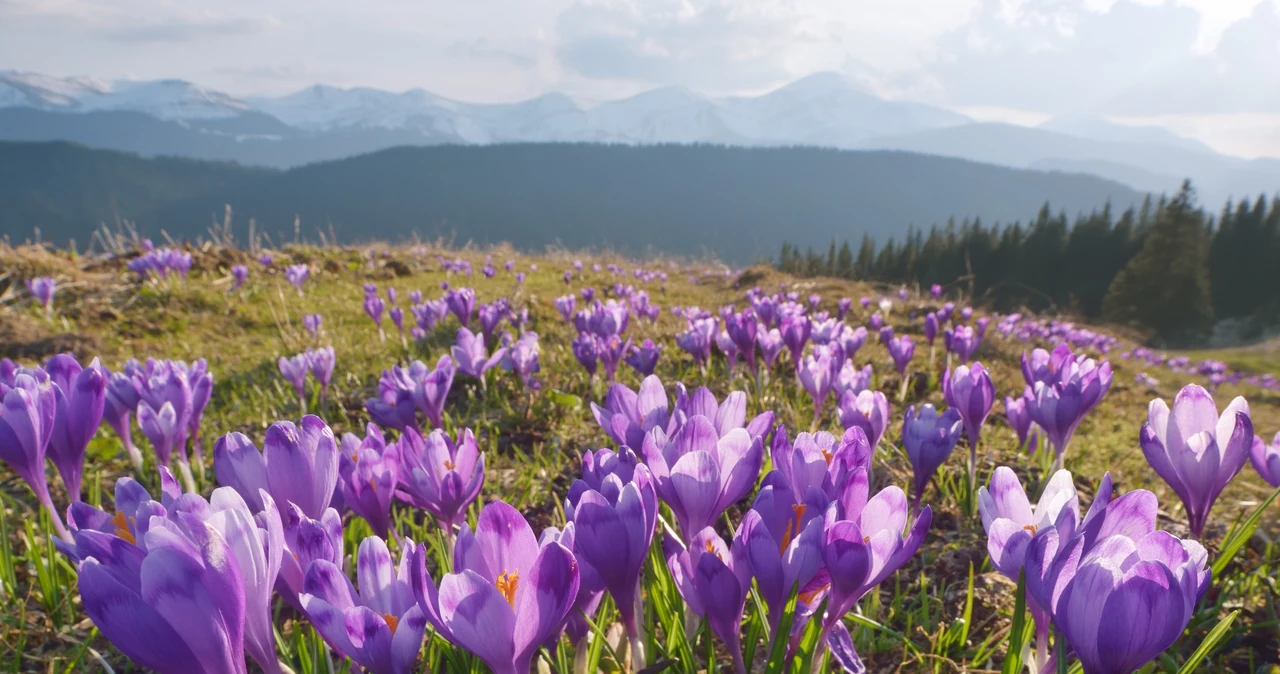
793	526
124	527
866	539
392	622
507	584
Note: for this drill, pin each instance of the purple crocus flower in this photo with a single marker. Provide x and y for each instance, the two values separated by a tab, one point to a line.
294	369
1196	451
867	410
1266	459
901	349
461	303
819	461
935	290
1059	407
864	301
644	358
121	402
396	314
522	358
930	328
172	600
851	379
312	323
306	540
369	469
966	314
876	322
297	275
713	580
795	332
1019	415
963	341
298	464
742	329
26	428
903	293
814	300
471	356
439	475
1119	591
566	305
1042	366
395	406
928	438
239	274
81	400
699	472
817	373
257	543
969	391
614	518
391	295
321	363
725	416
611	350
850	340
588	294
628	415
823	330
266	259
42	288
162	428
373	308
770	343
697	339
842	307
415	297
863	542
507	594
1010	522
433	389
380	626
490	316
585	350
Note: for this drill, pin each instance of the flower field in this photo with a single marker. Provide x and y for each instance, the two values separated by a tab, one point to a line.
423	459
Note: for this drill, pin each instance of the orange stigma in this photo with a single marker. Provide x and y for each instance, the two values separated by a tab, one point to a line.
392	622
449	465
793	526
1031	528
808	597
373	485
826	455
507	584
124	527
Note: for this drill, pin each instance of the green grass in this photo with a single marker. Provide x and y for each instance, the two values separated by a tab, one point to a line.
946	611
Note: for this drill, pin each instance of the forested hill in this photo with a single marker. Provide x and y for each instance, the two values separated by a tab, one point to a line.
736	203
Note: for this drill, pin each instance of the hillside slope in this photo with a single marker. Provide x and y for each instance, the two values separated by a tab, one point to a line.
735	203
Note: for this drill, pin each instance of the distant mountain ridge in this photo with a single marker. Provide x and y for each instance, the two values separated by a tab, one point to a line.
734	203
828	110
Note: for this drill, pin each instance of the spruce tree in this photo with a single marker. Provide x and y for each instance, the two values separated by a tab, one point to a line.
1165	288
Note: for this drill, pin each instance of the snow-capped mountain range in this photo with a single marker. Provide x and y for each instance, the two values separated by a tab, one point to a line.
319	123
823	109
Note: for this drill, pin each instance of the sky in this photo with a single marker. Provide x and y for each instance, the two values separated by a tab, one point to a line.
1209	69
